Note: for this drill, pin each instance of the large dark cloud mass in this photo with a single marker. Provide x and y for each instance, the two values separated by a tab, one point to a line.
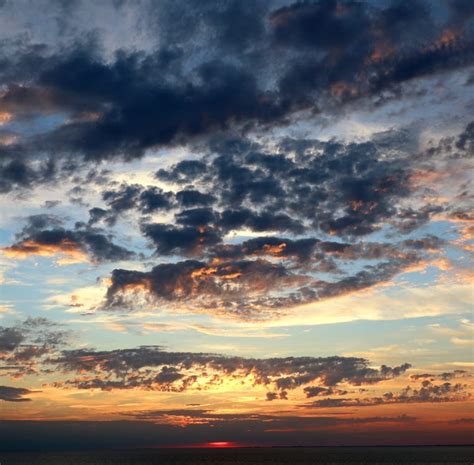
315	206
218	65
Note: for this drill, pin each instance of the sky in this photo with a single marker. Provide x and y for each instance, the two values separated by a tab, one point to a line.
236	222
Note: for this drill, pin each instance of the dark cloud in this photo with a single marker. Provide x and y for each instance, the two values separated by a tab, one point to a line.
289	422
438	56
331	187
271	246
10	339
328	196
265	221
44	235
14	394
243	288
154	199
193	198
28	102
465	141
183	171
25	346
186	240
96	215
145	109
427	392
302	187
445	376
14	173
230	26
196	217
155	369
321	25
317	391
231	287
123	198
462	10
462	421
220	65
130	197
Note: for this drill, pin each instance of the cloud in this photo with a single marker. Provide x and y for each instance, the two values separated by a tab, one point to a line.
234	68
189	417
320	199
427	392
171	240
44	236
313	205
247	289
459	336
152	368
10	339
193	198
25	346
230	285
445	376
127	197
14	394
462	421
316	391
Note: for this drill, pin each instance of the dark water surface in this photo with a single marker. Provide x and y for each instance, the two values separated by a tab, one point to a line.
251	456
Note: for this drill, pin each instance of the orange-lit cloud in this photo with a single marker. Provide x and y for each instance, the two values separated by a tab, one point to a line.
72	251
5	117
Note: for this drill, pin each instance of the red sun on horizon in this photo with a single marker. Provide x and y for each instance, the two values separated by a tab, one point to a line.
220	444
209	445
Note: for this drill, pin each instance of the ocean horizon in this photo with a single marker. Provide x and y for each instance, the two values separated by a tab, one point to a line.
275	455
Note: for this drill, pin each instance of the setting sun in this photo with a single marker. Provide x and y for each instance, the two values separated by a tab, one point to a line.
221	444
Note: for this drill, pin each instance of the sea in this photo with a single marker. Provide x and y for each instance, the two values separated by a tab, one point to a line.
251	456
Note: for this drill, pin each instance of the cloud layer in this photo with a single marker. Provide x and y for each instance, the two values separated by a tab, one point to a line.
204	77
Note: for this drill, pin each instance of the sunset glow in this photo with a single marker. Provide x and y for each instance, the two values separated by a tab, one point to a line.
221	444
